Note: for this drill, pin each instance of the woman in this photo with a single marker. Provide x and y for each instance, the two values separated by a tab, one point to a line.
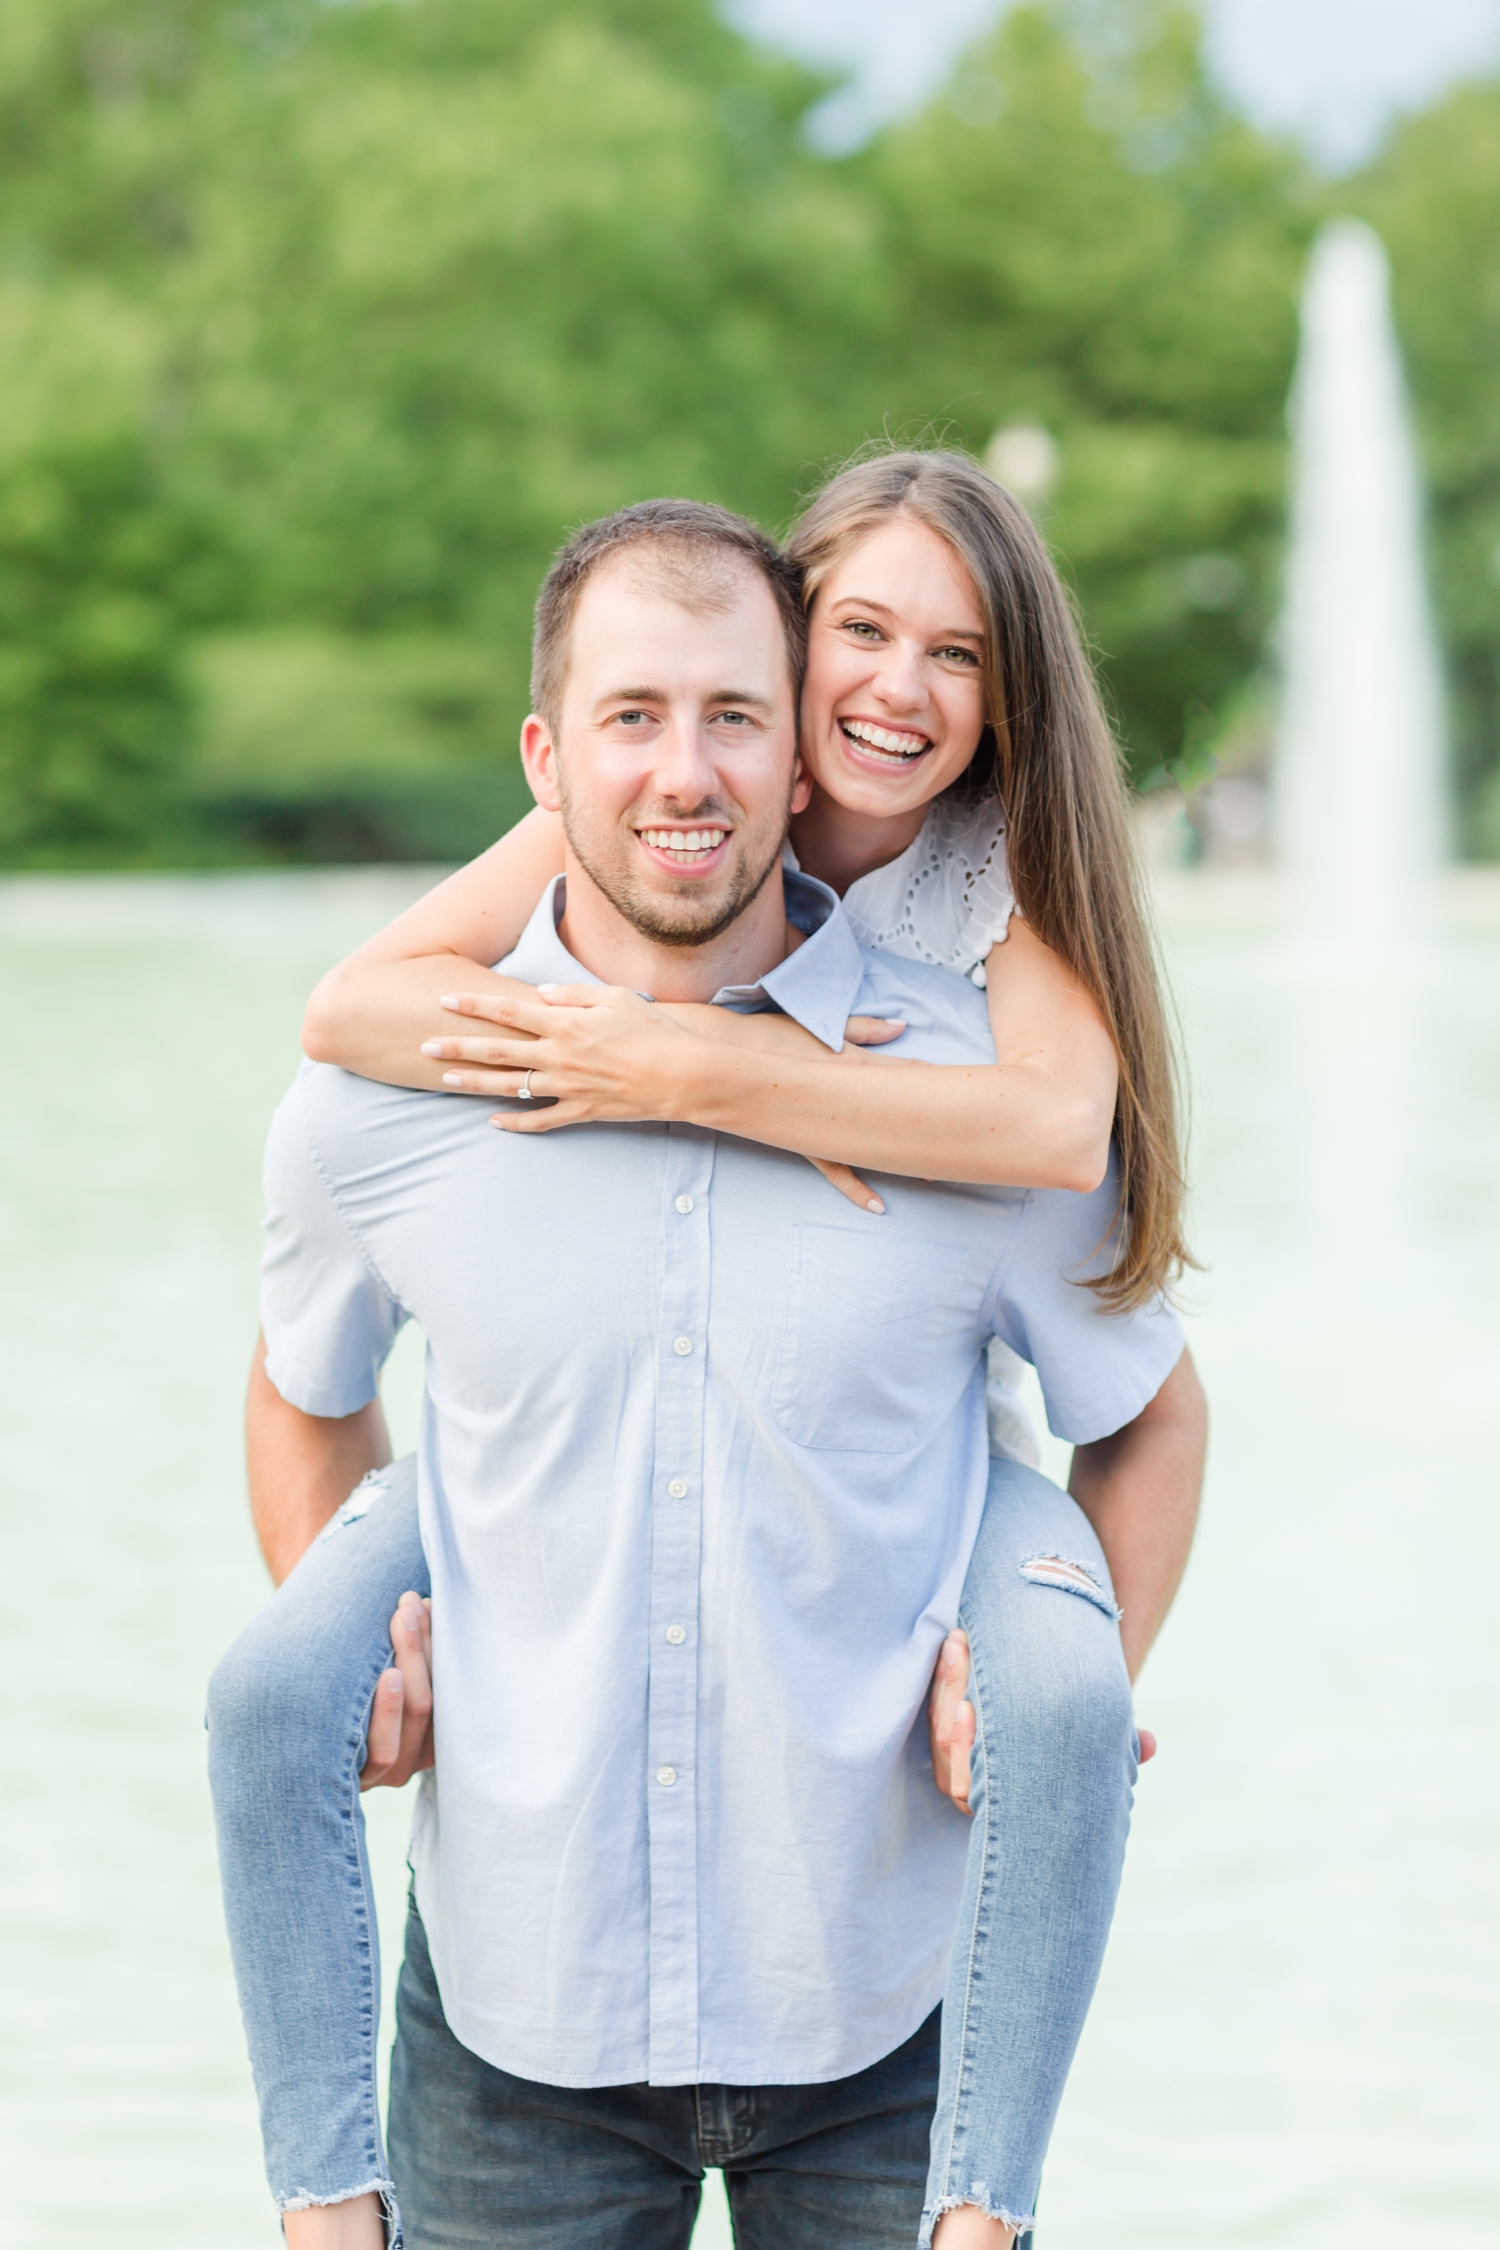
952	732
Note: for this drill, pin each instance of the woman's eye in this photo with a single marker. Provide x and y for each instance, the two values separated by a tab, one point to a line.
958	655
864	630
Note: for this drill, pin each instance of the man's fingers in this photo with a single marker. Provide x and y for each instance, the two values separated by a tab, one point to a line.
945	1703
409	1639
871	1031
850	1184
958	1756
383	1731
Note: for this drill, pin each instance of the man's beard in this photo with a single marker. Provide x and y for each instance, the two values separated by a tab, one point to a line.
696	921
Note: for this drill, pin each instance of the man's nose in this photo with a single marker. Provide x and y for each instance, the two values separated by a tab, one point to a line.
685	770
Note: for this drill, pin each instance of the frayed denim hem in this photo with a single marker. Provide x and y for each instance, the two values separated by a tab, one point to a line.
390	2210
978	2195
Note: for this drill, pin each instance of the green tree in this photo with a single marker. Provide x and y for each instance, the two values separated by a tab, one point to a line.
1090	240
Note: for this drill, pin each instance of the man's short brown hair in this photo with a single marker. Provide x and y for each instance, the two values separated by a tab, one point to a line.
691	550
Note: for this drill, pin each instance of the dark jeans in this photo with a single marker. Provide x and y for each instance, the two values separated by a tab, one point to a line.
484	2161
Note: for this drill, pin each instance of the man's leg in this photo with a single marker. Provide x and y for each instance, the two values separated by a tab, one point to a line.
832	2167
486	2161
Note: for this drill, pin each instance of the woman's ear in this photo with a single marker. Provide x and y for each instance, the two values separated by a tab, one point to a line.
539	757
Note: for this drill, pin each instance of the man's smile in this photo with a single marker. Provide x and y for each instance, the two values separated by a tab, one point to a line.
686	849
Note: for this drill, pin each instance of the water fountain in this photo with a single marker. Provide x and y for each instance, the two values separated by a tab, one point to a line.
1359	768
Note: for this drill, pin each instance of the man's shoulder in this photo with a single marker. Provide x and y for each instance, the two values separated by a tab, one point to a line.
328	1106
937	1003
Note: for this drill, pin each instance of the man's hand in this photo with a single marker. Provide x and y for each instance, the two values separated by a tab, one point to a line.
399	1742
950	1722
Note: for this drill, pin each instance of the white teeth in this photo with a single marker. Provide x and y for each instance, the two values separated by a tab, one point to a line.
897	747
685	842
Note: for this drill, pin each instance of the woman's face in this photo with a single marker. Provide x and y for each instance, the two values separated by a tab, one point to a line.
894	701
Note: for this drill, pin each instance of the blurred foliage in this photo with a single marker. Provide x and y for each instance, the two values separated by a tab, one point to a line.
1435	197
321	324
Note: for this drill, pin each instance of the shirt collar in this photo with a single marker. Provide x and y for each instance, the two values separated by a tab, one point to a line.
816	985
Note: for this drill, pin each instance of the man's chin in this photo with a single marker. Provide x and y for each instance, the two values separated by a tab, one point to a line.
670	917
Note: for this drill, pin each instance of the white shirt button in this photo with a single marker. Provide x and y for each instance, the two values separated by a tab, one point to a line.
678	1488
684	1204
666	1775
682	1345
676	1635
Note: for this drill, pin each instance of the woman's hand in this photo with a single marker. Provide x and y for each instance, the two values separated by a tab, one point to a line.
599	1053
593	1053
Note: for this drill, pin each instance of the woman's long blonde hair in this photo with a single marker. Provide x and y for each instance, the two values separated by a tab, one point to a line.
1049	755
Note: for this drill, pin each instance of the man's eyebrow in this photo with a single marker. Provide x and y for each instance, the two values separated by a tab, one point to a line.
661	695
882	609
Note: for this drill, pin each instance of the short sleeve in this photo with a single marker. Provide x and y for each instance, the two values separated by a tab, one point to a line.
329	1319
1097	1367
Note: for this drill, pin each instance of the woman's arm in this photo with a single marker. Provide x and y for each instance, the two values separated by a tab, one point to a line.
372	1013
1040	1116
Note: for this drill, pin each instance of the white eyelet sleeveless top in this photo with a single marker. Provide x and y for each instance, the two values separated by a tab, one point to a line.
947	900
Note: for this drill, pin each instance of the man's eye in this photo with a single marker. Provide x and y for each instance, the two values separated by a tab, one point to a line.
632	718
735	718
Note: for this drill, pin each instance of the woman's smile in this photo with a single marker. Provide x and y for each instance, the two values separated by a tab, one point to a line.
884	745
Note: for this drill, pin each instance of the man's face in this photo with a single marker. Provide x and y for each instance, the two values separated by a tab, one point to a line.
674	761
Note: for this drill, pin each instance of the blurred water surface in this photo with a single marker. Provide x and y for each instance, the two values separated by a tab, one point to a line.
1295	2040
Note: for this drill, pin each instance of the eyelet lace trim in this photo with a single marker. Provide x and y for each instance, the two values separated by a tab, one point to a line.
948	898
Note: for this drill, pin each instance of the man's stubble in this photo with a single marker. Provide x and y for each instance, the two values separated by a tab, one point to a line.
698	922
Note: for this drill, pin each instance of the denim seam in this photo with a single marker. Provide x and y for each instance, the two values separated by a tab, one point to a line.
364	1911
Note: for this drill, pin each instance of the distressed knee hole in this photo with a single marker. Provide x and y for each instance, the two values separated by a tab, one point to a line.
1071	1578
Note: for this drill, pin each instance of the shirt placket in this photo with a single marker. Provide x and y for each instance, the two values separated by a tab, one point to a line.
676	1542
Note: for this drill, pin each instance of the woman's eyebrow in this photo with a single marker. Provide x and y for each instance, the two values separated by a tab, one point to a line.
882	609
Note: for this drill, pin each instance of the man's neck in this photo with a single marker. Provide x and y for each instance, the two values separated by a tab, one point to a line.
614	950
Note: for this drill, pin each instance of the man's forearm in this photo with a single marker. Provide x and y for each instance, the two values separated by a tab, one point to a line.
302	1466
1140	1490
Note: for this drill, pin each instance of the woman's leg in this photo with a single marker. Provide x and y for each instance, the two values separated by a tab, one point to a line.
287	1709
1054	1768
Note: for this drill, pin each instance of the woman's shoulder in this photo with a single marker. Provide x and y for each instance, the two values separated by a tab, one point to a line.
947	898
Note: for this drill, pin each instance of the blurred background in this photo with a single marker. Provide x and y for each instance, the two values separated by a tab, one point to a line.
320	324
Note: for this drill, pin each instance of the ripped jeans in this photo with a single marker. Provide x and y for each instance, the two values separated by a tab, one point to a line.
1053	1774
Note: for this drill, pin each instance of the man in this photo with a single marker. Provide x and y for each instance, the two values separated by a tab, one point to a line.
701	1470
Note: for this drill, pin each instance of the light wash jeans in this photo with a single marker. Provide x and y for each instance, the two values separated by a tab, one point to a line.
1054	1770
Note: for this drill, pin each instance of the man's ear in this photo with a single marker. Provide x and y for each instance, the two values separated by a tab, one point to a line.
539	757
801	787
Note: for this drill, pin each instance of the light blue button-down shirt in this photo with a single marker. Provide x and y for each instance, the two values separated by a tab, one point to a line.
702	1461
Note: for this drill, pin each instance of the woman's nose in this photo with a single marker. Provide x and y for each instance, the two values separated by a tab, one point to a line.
901	683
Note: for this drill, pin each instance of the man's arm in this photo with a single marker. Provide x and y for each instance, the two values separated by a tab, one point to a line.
1140	1490
302	1466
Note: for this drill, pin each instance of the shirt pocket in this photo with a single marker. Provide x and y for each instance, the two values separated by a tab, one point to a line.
879	1338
